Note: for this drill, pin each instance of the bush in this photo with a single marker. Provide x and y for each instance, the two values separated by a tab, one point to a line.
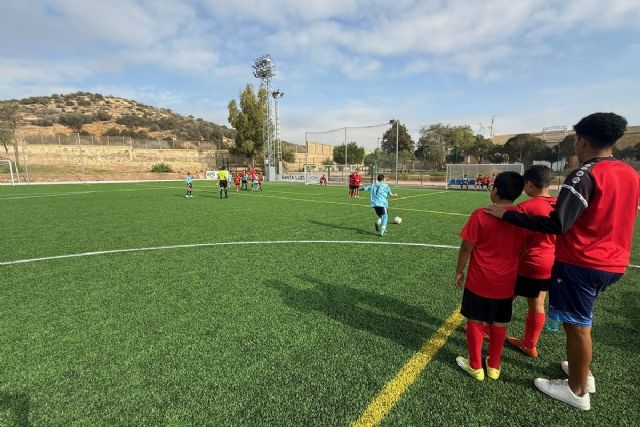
43	122
84	103
161	167
102	116
70	103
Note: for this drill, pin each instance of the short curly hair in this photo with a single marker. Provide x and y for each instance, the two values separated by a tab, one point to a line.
602	130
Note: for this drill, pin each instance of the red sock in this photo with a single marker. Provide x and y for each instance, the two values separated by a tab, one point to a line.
474	344
532	328
496	344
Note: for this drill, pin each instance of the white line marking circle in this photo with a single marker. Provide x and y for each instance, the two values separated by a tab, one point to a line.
200	245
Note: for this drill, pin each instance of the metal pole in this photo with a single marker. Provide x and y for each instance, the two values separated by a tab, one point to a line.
81	156
345	149
306	143
397	142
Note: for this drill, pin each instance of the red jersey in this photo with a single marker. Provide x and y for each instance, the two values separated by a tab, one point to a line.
260	179
497	246
236	179
601	237
356	179
351	180
252	173
539	253
594	216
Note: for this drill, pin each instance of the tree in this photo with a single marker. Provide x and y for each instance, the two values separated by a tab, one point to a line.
288	155
480	148
525	148
431	149
454	140
389	139
8	123
355	154
247	119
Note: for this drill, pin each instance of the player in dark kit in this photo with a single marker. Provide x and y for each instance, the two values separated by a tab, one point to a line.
594	219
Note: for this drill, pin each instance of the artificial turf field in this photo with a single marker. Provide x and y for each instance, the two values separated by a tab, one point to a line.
284	334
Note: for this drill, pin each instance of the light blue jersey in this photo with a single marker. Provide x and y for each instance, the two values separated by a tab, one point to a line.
380	193
189	179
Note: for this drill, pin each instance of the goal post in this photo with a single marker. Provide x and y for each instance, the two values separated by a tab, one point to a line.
8	165
313	173
457	172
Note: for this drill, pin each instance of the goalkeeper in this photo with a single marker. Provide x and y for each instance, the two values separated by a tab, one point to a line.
380	193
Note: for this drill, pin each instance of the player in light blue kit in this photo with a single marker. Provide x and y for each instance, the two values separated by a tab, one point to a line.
380	193
189	185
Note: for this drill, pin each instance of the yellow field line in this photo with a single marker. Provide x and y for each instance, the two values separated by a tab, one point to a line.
421	195
393	391
359	205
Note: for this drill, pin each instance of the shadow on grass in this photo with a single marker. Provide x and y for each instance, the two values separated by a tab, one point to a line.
18	404
621	334
358	230
364	310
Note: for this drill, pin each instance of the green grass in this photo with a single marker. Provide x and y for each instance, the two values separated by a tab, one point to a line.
282	334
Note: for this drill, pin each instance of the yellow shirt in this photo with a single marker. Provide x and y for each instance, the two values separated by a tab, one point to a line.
223	175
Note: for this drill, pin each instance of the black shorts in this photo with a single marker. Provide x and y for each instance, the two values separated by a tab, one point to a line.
354	187
380	210
223	183
489	310
531	288
189	186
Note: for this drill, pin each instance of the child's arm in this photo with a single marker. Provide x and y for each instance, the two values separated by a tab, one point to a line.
463	258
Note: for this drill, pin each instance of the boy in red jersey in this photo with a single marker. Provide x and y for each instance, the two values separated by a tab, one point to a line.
323	180
236	181
534	271
492	250
356	183
352	187
594	218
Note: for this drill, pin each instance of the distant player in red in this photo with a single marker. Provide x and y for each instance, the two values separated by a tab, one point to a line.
534	271
323	180
352	187
478	183
260	182
236	181
356	183
594	219
252	173
492	251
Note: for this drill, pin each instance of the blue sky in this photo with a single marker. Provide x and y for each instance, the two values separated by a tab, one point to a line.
530	63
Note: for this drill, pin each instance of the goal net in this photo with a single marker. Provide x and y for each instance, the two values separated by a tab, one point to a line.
461	174
333	173
8	172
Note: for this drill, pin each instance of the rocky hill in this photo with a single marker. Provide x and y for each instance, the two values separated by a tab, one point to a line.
105	115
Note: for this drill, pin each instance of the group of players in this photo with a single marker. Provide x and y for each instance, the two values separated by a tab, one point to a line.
481	182
574	247
241	181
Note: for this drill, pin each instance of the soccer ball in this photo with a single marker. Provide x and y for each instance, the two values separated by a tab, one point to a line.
397	220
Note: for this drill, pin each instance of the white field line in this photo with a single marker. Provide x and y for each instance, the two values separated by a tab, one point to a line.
201	245
73	193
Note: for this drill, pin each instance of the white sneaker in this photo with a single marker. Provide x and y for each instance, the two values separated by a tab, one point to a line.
591	381
559	389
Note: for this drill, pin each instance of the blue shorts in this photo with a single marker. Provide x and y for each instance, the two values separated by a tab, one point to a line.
573	290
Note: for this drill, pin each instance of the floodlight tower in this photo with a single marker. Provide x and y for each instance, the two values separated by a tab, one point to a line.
277	94
264	69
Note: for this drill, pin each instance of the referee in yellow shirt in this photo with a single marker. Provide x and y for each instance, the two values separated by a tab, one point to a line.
223	181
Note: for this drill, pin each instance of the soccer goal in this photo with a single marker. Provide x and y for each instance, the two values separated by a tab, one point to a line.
461	174
313	173
7	166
